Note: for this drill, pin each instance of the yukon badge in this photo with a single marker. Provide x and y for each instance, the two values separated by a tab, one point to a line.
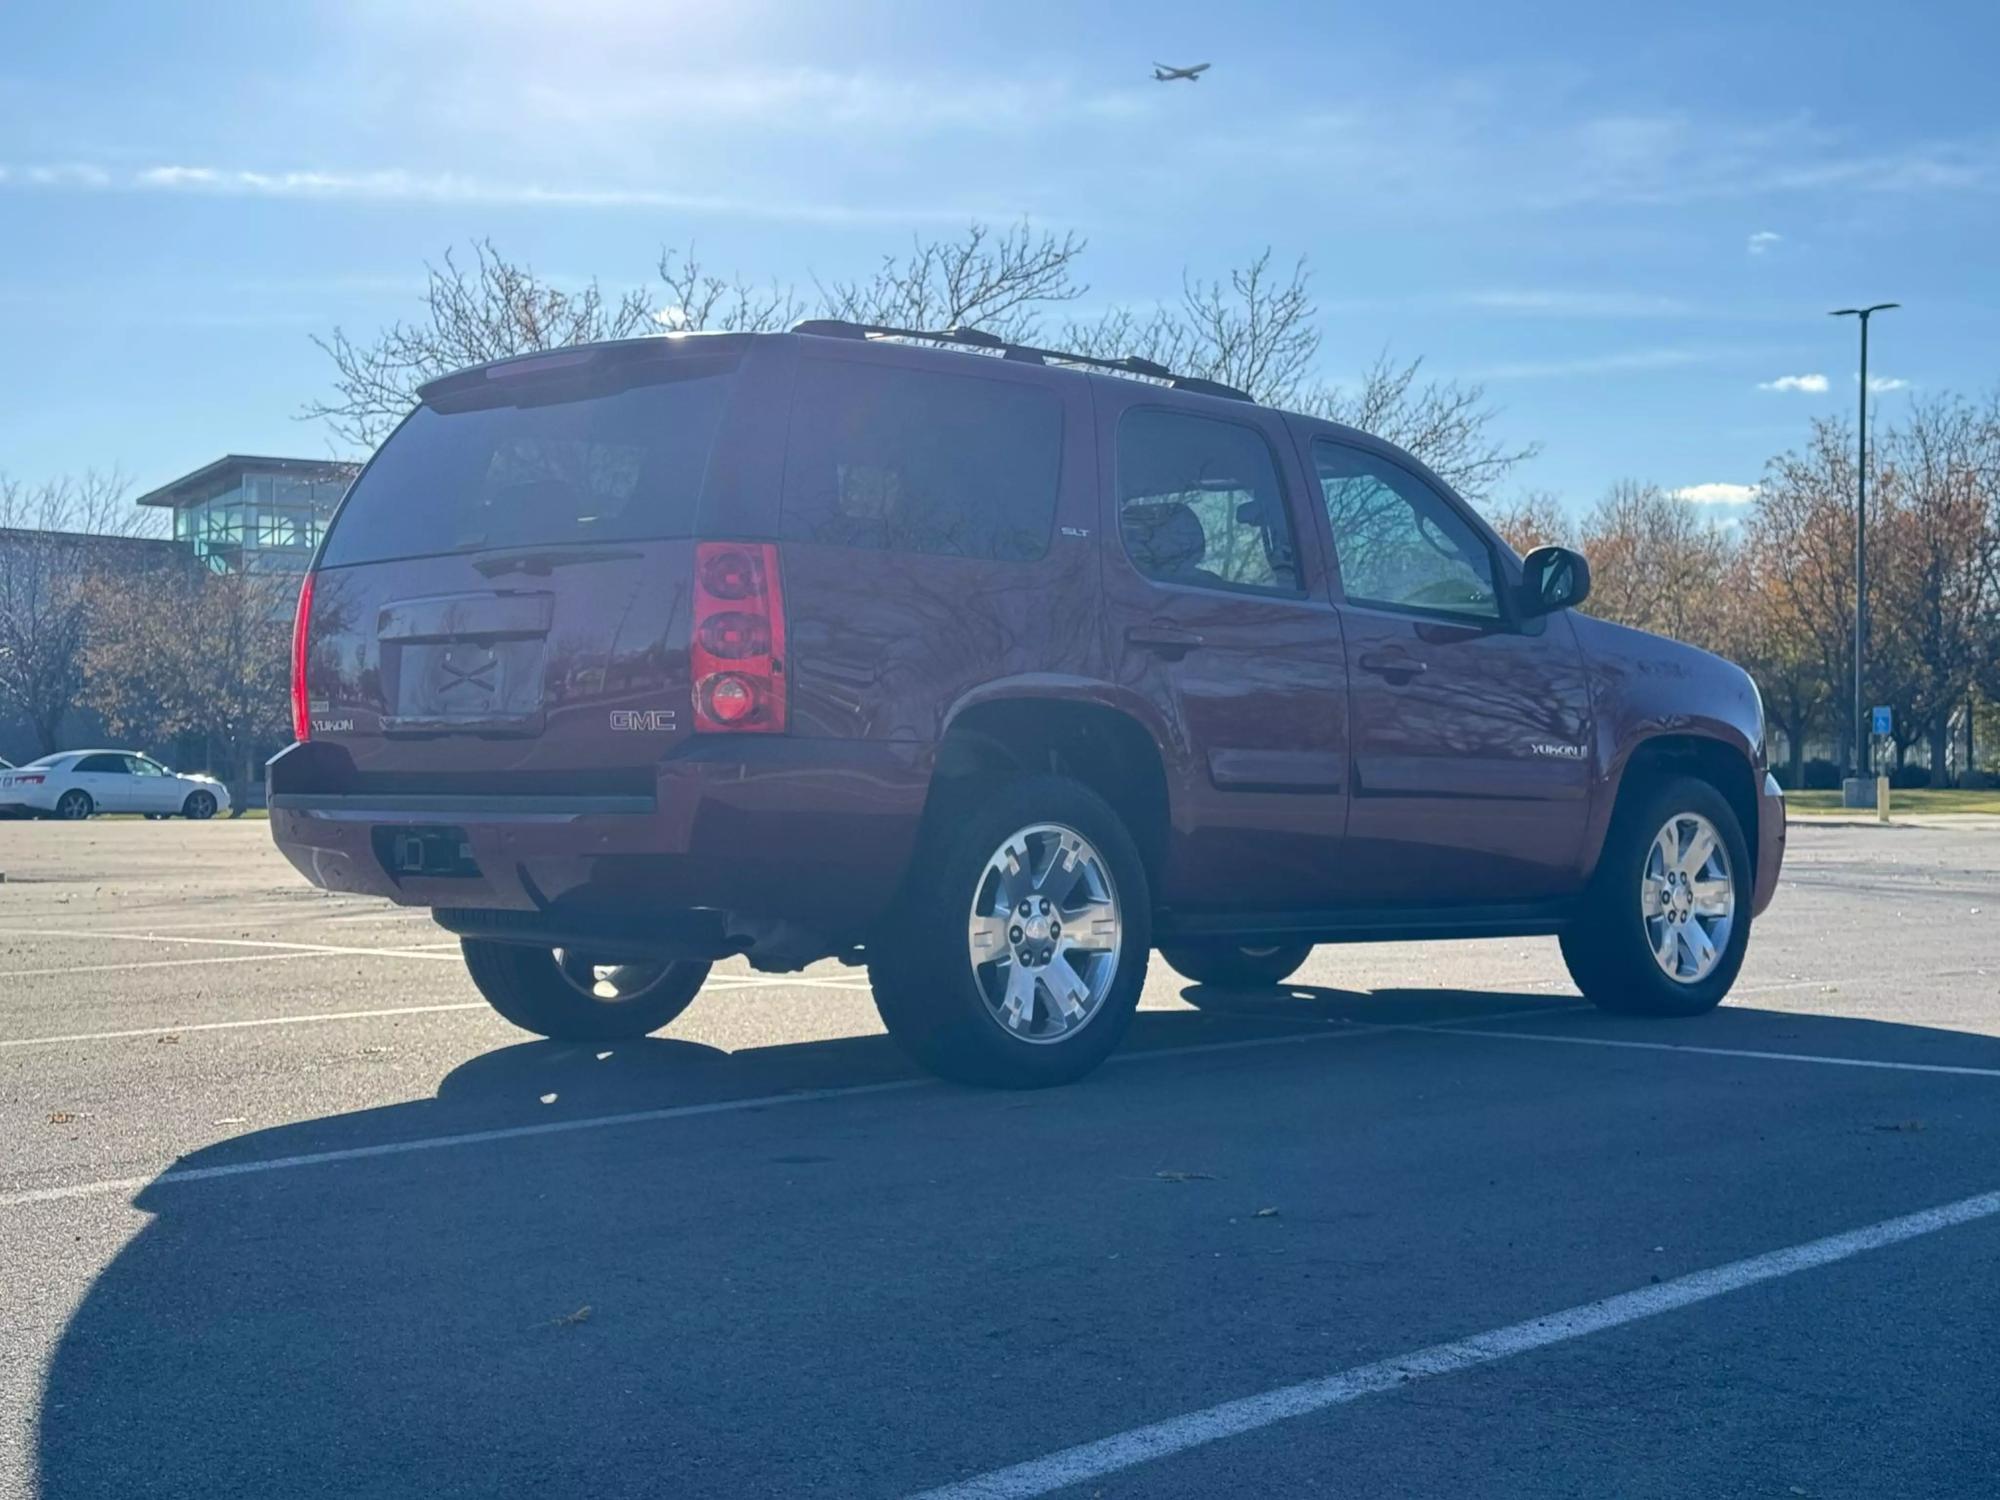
1560	752
646	720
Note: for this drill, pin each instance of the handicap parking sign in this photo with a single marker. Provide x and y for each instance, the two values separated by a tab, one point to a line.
1884	721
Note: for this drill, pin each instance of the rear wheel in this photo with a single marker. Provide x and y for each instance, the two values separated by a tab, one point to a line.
199	806
1231	966
570	996
1667	918
74	804
1017	955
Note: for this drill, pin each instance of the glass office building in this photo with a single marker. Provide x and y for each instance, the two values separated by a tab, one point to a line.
262	515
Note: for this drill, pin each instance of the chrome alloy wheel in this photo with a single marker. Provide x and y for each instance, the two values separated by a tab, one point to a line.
608	984
1043	933
1688	898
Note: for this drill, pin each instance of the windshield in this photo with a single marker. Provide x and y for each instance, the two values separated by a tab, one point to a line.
621	465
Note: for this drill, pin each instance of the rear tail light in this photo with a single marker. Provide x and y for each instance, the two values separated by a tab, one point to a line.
301	649
35	780
737	648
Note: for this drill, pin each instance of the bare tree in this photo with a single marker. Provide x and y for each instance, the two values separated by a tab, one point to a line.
1937	576
55	539
1766	638
1535	519
1002	284
1803	532
1656	563
1256	329
697	299
198	653
1259	332
488	310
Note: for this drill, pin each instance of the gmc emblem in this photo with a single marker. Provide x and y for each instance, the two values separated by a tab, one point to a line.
655	720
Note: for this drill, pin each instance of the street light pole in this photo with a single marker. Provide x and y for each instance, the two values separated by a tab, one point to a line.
1861	538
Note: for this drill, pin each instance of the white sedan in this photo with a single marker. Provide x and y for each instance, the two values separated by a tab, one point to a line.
77	783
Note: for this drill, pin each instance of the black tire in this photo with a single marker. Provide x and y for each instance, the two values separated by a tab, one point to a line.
200	806
920	967
529	988
1608	950
74	805
1231	966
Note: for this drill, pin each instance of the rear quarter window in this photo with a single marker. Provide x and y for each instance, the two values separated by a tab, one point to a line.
611	466
910	461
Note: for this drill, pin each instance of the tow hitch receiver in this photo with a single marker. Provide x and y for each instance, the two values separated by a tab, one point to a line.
432	852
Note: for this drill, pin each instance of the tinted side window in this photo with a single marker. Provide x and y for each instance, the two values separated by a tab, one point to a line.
909	461
1199	503
1399	542
138	765
110	764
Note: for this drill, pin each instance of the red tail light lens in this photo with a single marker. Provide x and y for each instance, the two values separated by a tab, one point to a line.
301	649
737	649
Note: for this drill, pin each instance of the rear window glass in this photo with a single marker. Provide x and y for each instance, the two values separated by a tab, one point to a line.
615	466
908	461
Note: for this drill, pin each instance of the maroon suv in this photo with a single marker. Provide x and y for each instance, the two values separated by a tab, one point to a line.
992	668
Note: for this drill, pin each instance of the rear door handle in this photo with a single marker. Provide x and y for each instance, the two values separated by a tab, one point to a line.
1393	665
1163	640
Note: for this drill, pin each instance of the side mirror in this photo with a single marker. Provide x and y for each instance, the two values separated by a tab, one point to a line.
1553	578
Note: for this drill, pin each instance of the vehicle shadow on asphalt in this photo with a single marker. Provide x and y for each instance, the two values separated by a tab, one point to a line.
654	1309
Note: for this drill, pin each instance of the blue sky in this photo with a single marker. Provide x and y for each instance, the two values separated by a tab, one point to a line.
1627	223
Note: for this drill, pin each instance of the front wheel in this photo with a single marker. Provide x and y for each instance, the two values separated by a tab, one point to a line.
200	806
74	805
570	996
1017	955
1233	967
1667	919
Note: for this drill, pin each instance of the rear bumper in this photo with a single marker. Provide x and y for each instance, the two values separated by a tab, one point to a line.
810	832
1770	844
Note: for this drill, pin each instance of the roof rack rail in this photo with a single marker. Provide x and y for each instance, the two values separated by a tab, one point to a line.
978	338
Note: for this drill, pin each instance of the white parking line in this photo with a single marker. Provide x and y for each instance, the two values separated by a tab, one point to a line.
267	944
1140	1445
332	1015
445	1142
1748	1052
26	1196
154	963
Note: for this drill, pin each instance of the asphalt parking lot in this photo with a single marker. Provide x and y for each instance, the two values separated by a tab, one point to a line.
285	1210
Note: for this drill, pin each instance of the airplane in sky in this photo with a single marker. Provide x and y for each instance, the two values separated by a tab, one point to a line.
1164	74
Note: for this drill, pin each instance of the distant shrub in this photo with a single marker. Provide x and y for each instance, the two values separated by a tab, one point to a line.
1822	776
1980	781
1906	778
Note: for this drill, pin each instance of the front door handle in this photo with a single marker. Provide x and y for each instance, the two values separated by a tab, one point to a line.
1397	666
1163	640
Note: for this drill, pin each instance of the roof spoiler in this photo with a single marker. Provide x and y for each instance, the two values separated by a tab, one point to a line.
978	338
490	380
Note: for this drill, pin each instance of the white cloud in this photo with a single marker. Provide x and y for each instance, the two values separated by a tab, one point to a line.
398	185
1880	383
1716	492
1762	241
1812	385
1592	364
1560	303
